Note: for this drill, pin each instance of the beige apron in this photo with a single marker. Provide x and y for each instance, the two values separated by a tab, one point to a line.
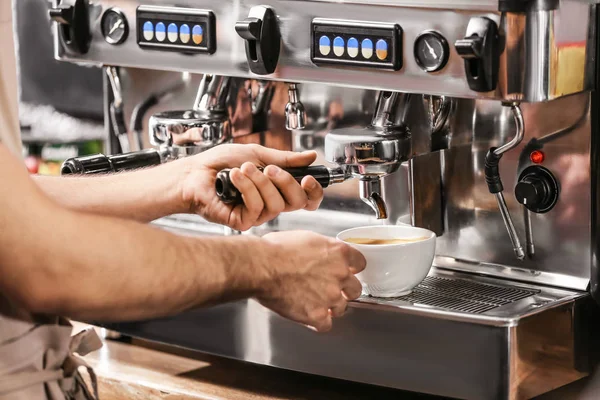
41	362
37	360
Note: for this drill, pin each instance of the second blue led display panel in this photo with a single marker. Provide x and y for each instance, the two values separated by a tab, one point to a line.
375	45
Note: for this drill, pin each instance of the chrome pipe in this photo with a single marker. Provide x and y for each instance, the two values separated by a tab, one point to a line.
510	226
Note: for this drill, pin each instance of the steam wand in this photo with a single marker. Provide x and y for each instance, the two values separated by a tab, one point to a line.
492	178
116	110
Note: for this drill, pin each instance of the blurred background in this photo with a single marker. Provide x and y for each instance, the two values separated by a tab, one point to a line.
60	104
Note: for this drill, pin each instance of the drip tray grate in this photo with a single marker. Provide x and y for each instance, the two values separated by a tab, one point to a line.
463	295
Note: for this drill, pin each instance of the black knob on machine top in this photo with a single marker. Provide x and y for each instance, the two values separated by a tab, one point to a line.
74	25
537	189
263	39
480	50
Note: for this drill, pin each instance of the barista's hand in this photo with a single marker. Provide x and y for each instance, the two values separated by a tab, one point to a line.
312	278
265	194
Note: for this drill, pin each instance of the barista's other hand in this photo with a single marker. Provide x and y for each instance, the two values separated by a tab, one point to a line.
311	277
265	194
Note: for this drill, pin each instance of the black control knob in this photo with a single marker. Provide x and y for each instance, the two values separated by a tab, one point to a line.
263	39
531	191
74	25
537	189
481	51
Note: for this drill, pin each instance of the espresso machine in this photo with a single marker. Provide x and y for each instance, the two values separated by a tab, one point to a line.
476	119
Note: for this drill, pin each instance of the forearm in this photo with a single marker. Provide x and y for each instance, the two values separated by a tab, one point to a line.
58	261
142	195
96	268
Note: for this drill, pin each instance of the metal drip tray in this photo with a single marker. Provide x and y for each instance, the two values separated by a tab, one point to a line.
463	295
473	298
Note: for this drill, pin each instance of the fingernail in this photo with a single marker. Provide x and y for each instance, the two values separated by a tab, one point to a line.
273	171
237	174
312	184
249	168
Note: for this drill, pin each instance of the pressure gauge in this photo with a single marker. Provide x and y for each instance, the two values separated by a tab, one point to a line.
431	51
114	26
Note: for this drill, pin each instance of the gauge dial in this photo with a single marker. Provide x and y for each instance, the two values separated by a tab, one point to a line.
431	51
114	26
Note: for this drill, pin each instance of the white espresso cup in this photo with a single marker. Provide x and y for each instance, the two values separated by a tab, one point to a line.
392	269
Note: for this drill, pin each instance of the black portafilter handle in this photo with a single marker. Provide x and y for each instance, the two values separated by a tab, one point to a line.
101	164
229	194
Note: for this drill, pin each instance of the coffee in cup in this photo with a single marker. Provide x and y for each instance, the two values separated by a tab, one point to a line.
398	257
383	241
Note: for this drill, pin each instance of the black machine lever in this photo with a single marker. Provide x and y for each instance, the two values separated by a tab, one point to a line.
249	29
481	51
101	164
469	48
229	194
263	39
74	25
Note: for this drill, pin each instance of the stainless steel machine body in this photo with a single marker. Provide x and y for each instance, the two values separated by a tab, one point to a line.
514	79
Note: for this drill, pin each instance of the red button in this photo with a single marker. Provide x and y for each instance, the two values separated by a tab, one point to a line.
537	157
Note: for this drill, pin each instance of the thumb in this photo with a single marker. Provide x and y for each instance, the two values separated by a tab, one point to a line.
285	159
